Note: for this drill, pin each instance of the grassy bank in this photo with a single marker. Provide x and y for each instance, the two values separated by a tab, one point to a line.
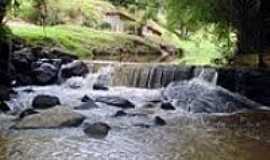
81	41
77	28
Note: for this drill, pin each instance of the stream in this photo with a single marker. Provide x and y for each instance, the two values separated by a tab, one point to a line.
186	136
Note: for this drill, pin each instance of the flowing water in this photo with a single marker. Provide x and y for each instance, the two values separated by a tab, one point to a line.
187	136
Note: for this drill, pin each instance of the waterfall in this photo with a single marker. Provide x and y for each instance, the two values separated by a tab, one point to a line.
209	75
103	77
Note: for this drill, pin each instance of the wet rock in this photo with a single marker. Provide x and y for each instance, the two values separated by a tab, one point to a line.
155	101
74	69
5	93
66	56
199	96
142	125
27	112
22	59
100	87
4	107
87	105
45	74
149	105
86	99
120	114
28	90
58	117
97	130
159	121
23	79
116	101
55	62
45	102
167	106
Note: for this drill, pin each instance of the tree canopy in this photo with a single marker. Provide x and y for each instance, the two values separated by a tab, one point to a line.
245	16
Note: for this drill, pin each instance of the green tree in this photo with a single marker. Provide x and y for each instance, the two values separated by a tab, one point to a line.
3	8
244	16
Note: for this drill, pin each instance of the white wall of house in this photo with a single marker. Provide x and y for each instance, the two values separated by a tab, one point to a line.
116	23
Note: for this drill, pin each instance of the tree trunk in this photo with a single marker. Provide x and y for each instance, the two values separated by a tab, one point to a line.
5	48
247	19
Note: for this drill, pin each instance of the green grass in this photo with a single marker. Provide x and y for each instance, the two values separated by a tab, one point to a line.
83	40
84	12
77	39
199	49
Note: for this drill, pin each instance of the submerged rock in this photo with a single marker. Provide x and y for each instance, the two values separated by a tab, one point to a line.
167	106
58	117
199	96
100	87
74	69
27	112
86	98
4	93
120	114
4	107
29	90
159	121
87	105
116	101
97	130
45	102
149	105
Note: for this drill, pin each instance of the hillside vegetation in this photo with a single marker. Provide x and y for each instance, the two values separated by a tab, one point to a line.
78	26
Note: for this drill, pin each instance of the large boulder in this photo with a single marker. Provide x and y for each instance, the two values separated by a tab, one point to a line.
4	107
22	60
45	102
66	56
199	96
41	52
5	93
74	69
97	130
45	74
116	101
58	117
100	87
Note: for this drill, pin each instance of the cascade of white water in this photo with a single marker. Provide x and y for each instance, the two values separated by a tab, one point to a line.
102	77
209	75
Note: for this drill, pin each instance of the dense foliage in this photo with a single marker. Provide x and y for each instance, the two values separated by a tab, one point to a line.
244	16
3	7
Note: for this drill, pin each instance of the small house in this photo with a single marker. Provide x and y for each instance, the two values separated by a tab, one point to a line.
150	31
118	20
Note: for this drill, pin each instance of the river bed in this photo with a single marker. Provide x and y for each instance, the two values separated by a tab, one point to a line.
185	136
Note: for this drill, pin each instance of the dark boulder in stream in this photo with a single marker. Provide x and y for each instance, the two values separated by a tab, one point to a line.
199	96
167	106
22	60
97	130
120	113
85	98
4	107
45	102
27	112
74	69
160	121
116	101
45	73
100	87
5	93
